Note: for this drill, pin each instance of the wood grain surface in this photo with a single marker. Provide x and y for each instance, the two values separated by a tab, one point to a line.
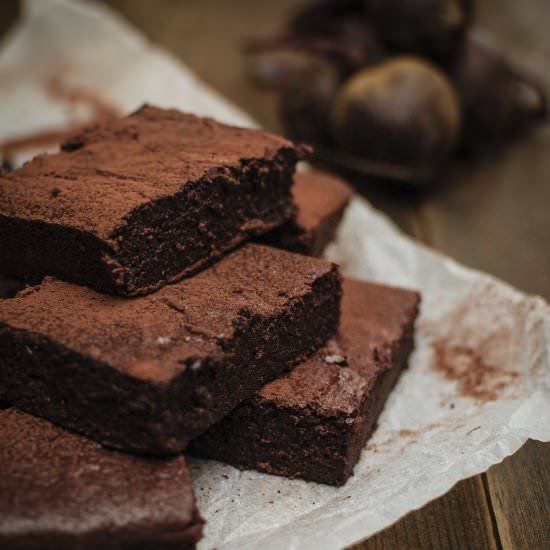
493	216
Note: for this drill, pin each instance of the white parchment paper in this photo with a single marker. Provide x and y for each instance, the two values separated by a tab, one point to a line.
435	430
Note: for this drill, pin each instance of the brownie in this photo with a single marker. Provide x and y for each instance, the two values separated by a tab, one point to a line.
59	490
150	373
321	199
143	200
313	422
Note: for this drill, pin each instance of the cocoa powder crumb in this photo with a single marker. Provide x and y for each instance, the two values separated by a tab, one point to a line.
408	433
372	447
475	377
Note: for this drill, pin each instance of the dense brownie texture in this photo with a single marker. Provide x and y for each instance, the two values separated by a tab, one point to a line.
143	200
313	422
150	373
59	490
321	199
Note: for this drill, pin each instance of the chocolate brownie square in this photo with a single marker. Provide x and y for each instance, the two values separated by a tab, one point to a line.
149	374
143	200
59	490
321	200
313	422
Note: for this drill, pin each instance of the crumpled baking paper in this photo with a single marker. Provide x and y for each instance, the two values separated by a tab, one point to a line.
478	385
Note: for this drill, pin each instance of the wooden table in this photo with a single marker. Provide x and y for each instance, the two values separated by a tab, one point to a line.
494	216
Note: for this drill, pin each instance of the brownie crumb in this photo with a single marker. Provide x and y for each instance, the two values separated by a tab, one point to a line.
408	433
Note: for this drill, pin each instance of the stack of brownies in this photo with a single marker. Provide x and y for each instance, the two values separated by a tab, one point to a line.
153	325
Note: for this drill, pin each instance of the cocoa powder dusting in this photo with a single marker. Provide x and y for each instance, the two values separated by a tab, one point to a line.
475	378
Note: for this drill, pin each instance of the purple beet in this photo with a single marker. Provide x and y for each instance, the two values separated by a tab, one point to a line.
403	112
500	100
306	102
335	29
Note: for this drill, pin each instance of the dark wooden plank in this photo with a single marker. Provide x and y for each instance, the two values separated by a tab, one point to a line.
519	489
460	519
494	216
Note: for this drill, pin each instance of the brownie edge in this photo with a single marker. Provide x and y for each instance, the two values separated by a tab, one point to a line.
61	491
321	199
